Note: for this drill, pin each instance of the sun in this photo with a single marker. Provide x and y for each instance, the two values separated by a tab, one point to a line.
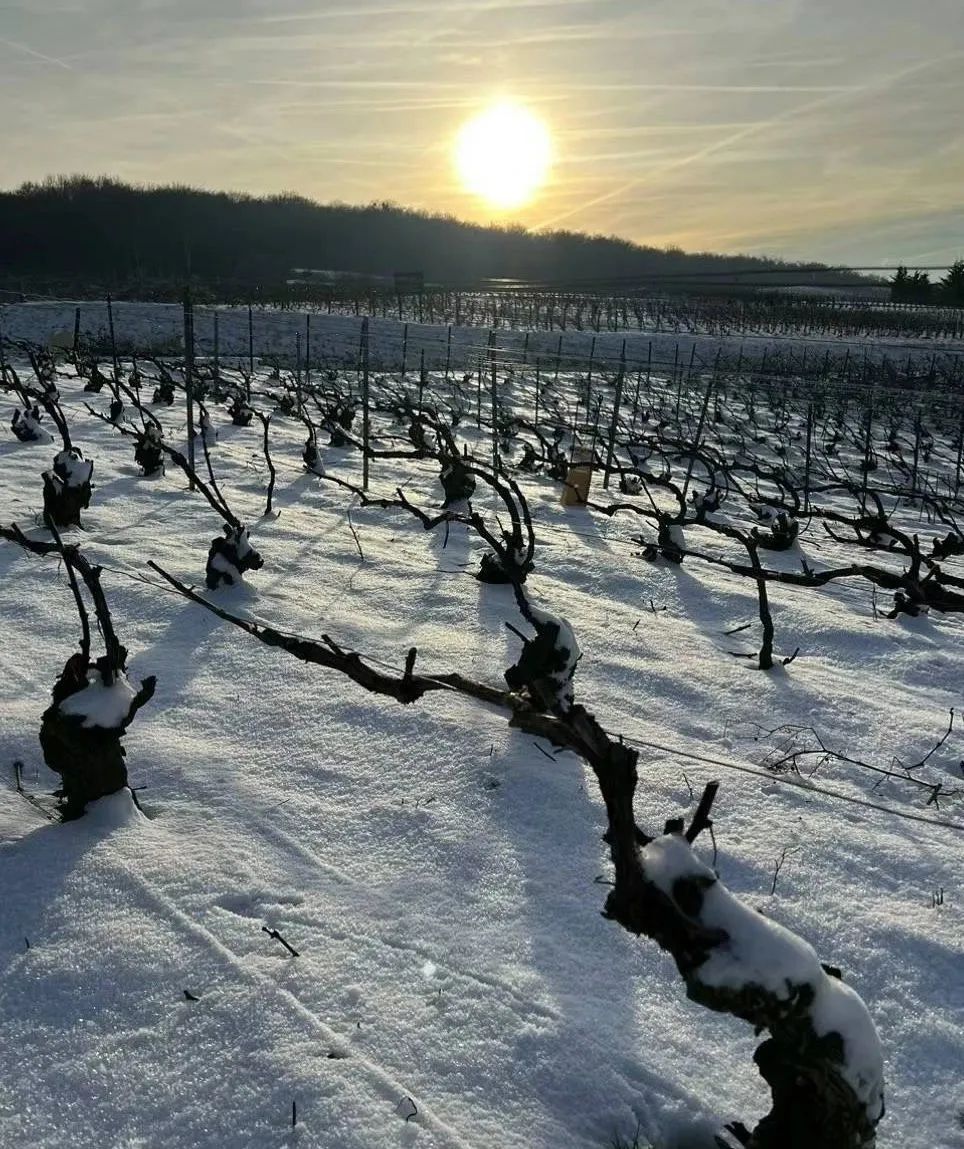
503	155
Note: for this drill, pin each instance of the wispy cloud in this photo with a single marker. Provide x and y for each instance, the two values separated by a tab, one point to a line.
794	126
34	54
833	97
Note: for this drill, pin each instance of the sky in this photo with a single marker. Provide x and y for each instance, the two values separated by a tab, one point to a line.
819	129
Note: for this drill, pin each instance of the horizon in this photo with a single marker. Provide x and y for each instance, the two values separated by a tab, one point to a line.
55	179
794	130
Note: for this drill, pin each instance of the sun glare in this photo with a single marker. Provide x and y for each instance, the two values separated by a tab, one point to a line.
503	155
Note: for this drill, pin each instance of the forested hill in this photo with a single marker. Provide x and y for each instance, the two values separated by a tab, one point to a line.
100	231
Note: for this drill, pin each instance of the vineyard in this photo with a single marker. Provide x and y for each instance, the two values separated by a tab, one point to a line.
459	732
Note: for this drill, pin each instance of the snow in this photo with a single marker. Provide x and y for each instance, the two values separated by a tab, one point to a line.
241	541
75	469
335	337
29	419
115	812
568	648
100	705
838	1008
225	566
381	840
761	952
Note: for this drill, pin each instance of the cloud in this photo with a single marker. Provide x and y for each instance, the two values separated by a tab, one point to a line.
793	126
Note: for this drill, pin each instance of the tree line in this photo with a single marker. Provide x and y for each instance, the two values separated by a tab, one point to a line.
916	286
77	231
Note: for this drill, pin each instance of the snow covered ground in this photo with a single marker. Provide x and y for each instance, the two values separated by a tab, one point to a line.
435	870
275	334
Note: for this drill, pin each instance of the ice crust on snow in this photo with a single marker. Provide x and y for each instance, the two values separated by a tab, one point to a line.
104	706
759	951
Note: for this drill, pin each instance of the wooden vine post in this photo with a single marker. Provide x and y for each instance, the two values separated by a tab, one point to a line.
113	338
493	368
366	404
189	376
250	353
614	425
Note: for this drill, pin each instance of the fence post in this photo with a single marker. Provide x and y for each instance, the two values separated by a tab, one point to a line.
448	352
113	340
189	376
679	383
308	351
806	468
421	380
250	344
615	423
592	356
867	444
298	371
76	329
699	435
366	403
495	403
916	463
217	350
404	349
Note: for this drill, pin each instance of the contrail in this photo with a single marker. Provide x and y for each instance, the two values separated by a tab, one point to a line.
754	129
36	55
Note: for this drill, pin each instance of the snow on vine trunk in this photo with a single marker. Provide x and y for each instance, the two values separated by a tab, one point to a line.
548	661
26	424
230	557
67	487
72	468
81	731
823	1042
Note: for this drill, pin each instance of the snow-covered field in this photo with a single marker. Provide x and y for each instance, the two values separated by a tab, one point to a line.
275	334
455	984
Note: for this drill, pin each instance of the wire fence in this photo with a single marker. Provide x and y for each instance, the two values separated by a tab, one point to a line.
309	341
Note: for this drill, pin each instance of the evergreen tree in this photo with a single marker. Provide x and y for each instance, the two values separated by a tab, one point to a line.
899	286
952	285
920	287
